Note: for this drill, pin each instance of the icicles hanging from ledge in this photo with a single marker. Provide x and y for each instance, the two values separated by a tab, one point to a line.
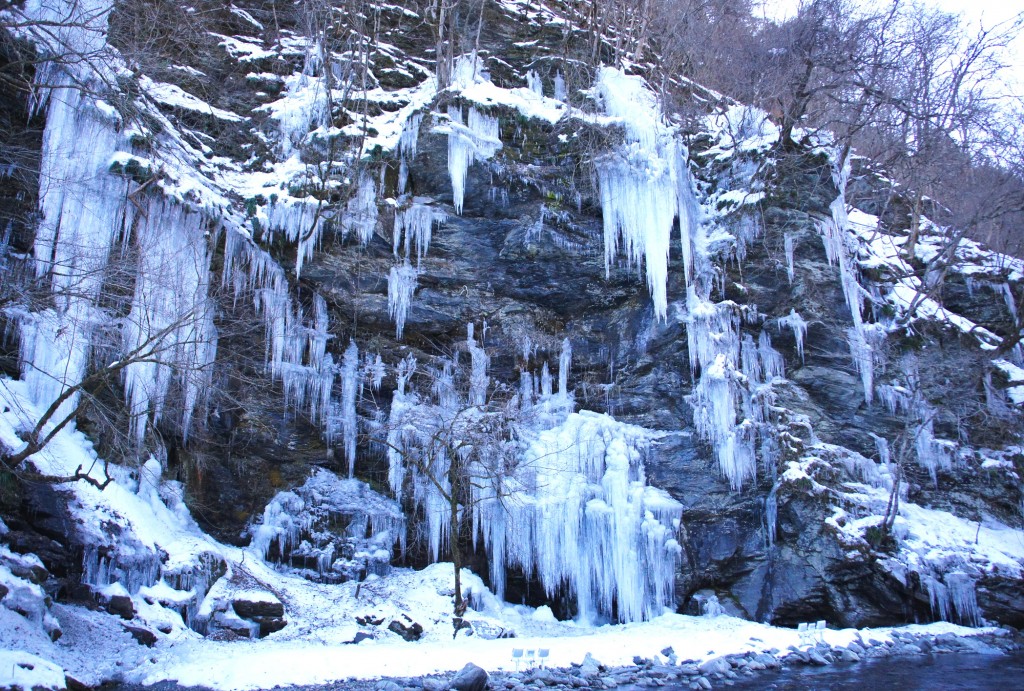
401	286
170	326
479	360
732	396
644	182
475	139
301	221
415	224
799	327
360	215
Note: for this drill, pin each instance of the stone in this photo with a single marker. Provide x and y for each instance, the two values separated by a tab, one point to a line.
121	605
410	632
702	682
387	685
716	665
470	678
261	605
269	625
817	658
142	635
590	667
847	655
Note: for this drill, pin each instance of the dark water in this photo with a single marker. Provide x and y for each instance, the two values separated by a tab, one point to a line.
1002	672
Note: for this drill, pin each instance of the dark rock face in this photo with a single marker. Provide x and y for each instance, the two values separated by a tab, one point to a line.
527	256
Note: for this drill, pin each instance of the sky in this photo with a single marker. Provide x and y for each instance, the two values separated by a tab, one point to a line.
983	13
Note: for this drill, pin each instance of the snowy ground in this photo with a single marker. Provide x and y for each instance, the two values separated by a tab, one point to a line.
311	649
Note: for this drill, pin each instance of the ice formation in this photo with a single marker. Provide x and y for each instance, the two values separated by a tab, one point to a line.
169	333
954	594
414	226
360	215
330	529
578	514
477	138
840	250
732	396
479	362
788	243
572	509
564	361
795	322
349	394
645	184
300	220
401	286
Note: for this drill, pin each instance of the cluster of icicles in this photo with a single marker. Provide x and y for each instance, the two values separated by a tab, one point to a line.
573	509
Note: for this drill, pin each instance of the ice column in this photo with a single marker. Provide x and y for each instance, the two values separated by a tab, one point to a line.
349	393
401	286
581	516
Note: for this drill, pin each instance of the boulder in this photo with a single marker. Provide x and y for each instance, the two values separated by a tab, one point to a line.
142	636
470	678
253	604
410	632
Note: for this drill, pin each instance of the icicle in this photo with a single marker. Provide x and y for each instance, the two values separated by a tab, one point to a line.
560	91
360	214
545	381
962	596
407	146
416	223
170	326
795	322
790	271
564	361
301	222
771	514
1011	303
476	139
882	447
640	182
479	381
349	388
401	286
591	525
534	83
525	389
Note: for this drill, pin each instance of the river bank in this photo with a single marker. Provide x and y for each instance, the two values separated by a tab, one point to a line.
867	652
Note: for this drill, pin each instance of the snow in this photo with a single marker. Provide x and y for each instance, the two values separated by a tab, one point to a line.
176	97
21	670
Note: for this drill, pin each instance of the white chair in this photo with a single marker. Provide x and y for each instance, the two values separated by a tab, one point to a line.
804	633
819	631
531	658
517	657
543	654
